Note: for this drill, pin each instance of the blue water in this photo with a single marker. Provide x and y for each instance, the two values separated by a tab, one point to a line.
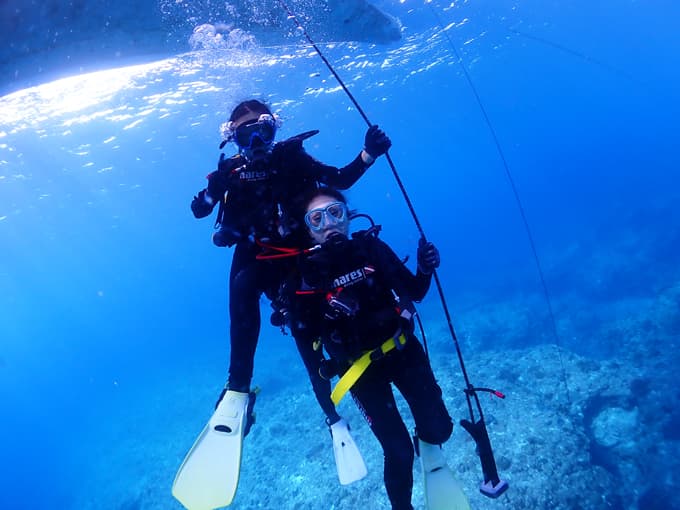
113	325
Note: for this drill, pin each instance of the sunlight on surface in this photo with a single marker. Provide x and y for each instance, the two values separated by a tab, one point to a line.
82	94
72	94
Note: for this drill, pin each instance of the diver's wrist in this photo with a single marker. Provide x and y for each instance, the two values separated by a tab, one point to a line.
366	157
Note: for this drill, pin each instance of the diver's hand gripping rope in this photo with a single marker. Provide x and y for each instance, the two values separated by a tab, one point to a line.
493	486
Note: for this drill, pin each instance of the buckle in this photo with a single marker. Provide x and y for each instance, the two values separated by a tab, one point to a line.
398	345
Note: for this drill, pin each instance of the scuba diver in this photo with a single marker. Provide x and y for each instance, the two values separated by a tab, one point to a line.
260	193
356	296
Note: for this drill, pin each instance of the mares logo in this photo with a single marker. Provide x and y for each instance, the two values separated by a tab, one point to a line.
353	277
252	175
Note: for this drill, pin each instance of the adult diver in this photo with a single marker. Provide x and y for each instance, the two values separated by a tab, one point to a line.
356	297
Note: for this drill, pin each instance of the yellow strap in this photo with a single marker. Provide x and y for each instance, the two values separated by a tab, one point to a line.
359	367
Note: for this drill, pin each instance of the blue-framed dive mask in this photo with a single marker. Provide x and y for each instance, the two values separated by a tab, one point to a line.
253	134
334	213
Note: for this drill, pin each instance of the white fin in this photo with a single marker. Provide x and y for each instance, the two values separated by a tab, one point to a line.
208	477
348	459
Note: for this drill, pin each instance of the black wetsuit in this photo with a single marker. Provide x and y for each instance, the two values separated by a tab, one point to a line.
362	273
264	199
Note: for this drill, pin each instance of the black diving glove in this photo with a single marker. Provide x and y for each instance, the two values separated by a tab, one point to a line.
376	142
328	368
226	236
218	181
428	256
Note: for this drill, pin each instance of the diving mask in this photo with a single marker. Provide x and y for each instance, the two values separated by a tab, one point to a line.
335	212
251	134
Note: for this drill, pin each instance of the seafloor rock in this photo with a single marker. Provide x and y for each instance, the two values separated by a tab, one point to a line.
560	408
616	427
